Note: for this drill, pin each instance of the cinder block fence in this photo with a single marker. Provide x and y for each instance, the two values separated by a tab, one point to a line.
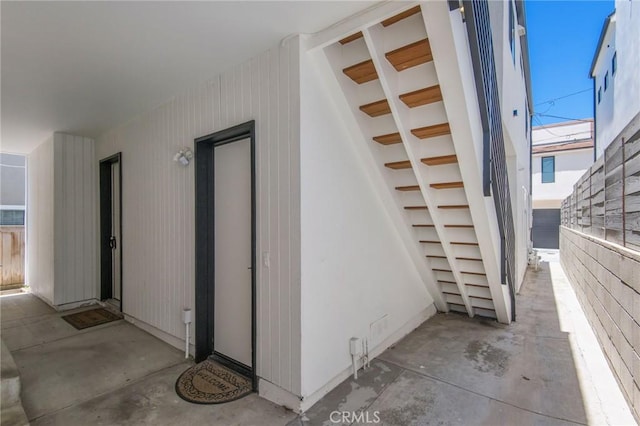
600	253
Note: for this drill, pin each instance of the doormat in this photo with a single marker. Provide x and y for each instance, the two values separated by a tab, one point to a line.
91	318
211	383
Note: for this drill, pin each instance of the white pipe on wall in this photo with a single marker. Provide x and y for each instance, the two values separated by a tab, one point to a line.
186	318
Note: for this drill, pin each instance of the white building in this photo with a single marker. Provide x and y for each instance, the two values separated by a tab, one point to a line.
615	71
12	189
354	201
560	155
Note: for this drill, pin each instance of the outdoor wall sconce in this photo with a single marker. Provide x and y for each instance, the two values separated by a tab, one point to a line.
183	156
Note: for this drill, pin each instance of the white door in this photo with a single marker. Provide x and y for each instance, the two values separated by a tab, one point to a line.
115	230
232	174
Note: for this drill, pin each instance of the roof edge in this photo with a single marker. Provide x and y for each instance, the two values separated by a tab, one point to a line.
603	33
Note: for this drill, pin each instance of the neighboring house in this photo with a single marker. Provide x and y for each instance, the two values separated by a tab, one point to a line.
12	220
616	76
349	183
12	189
561	153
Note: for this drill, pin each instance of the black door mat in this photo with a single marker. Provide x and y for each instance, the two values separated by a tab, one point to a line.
211	383
91	318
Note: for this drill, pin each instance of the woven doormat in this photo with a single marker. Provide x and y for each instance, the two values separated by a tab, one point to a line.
91	318
211	383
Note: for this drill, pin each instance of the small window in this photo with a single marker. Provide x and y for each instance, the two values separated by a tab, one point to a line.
11	217
606	81
614	63
599	94
548	169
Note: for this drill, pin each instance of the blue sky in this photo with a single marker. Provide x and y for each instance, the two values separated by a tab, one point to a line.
563	36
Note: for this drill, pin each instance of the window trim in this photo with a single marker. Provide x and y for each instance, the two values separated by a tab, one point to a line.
552	172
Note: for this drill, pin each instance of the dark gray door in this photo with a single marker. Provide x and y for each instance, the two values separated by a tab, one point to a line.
546	228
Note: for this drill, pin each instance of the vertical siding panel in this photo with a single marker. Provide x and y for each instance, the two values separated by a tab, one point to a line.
284	216
294	222
274	293
262	133
158	203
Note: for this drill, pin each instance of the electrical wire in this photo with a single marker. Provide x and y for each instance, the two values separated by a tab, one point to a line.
552	101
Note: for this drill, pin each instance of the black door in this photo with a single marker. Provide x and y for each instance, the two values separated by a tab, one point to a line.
546	228
111	230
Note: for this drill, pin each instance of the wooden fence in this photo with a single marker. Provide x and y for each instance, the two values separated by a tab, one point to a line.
11	256
605	201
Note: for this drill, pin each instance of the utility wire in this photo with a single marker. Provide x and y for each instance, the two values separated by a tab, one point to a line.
551	101
564	118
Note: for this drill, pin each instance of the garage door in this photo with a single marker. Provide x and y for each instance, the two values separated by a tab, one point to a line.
545	232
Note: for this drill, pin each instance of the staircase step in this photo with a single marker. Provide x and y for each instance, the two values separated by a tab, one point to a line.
399	165
447	185
420	225
469	258
390	139
457	307
433	256
476	285
451	293
432	131
400	16
407	188
487	313
430	242
376	109
422	97
362	72
460	243
474	273
458	226
446	282
453	206
351	38
441	270
411	55
440	160
415	208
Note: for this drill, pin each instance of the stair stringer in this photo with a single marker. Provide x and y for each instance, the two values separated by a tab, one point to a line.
375	171
388	79
447	34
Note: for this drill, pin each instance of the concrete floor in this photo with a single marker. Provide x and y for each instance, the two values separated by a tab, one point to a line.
546	368
113	374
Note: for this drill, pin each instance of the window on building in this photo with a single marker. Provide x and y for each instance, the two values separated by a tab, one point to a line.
606	81
614	63
548	169
599	94
11	217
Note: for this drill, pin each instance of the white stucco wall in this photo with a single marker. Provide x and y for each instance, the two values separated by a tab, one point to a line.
570	166
12	181
358	279
515	119
621	101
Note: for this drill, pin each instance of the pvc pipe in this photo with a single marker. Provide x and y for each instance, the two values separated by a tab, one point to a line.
186	342
186	318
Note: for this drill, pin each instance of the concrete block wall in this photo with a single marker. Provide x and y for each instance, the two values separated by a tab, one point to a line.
606	279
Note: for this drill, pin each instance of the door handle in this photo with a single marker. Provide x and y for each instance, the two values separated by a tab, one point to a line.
112	243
